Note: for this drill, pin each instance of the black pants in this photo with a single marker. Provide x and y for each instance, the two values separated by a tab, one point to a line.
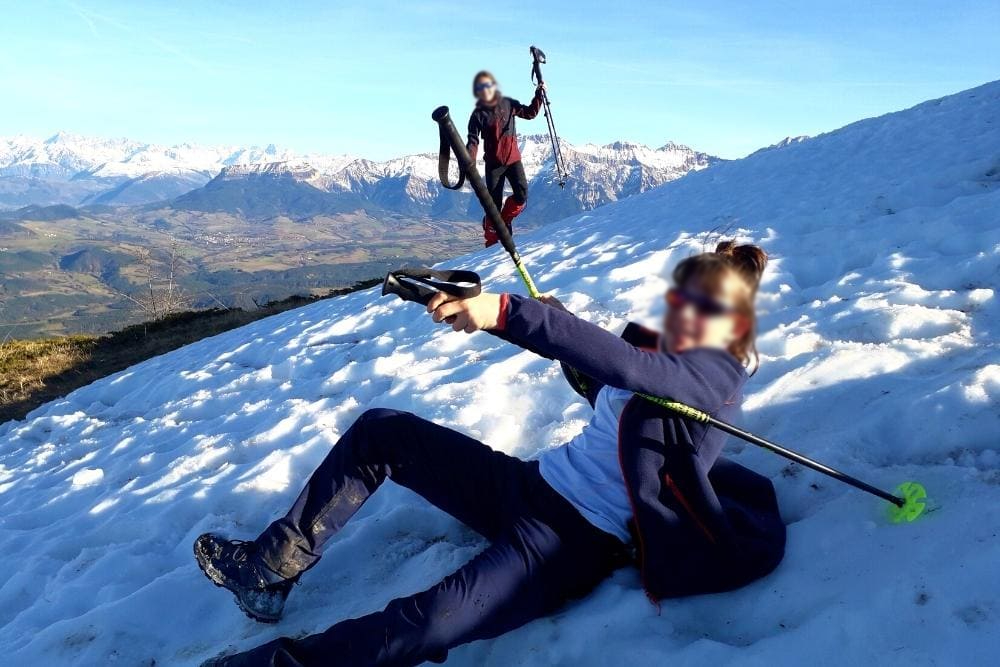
497	175
542	551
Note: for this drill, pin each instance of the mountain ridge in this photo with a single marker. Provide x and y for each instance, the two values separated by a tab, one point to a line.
79	170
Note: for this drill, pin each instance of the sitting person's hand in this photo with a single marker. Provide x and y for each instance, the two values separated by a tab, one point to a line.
469	315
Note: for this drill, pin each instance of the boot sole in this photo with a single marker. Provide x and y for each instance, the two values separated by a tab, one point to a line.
217	578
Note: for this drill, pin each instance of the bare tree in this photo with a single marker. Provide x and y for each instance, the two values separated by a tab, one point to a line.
161	294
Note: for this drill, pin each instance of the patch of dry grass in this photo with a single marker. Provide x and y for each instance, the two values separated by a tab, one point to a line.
34	372
26	364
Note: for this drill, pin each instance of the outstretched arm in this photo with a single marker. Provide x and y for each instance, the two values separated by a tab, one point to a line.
698	378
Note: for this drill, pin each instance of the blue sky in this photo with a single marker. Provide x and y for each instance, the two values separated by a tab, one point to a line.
363	77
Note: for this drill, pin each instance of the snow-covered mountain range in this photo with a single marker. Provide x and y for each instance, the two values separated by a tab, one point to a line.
67	155
79	170
879	323
74	169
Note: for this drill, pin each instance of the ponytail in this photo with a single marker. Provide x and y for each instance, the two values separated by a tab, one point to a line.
748	263
747	260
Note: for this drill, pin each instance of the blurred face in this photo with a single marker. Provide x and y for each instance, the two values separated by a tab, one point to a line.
700	316
485	89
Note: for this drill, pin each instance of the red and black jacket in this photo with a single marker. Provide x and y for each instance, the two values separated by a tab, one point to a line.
701	523
495	123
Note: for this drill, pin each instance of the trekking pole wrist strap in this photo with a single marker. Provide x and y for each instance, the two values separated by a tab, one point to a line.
444	161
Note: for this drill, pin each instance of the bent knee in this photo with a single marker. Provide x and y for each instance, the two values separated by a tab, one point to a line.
380	414
379	426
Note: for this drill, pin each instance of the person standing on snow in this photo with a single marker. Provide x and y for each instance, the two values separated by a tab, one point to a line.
637	483
493	120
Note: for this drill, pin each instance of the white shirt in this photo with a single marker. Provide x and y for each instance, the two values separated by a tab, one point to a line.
586	471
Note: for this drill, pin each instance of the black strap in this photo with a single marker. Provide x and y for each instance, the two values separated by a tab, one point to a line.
444	158
420	283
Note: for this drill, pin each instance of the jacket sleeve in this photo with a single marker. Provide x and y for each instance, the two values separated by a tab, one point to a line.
474	131
529	111
703	379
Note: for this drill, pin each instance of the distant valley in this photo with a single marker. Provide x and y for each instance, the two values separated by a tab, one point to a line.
73	274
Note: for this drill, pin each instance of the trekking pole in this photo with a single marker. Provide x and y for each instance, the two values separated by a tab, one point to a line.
451	142
907	503
538	59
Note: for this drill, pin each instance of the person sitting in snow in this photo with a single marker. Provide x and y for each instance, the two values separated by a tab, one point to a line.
638	484
493	120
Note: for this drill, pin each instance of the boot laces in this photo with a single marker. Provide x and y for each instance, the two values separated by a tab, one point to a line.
242	550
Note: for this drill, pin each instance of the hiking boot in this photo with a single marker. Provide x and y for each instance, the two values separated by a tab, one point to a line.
236	566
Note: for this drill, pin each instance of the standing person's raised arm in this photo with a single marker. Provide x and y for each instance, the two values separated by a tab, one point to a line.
529	111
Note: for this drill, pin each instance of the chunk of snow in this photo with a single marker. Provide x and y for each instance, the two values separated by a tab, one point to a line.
87	477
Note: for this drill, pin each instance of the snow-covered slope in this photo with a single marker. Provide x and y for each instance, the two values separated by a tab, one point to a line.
879	341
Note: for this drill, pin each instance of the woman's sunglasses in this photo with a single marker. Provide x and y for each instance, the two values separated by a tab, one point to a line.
480	87
703	305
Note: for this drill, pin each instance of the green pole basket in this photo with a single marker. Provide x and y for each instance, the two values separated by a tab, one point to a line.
914	497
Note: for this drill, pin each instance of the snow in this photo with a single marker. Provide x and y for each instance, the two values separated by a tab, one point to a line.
879	355
87	477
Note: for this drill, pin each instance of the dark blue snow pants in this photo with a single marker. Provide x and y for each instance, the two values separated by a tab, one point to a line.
542	551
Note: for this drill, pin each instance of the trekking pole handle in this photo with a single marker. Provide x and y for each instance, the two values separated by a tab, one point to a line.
467	166
450	134
538	58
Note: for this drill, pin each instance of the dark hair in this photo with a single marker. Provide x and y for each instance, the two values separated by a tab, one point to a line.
482	74
746	262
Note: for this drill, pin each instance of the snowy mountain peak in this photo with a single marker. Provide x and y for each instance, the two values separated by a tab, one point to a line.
81	140
294	169
60	137
784	143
